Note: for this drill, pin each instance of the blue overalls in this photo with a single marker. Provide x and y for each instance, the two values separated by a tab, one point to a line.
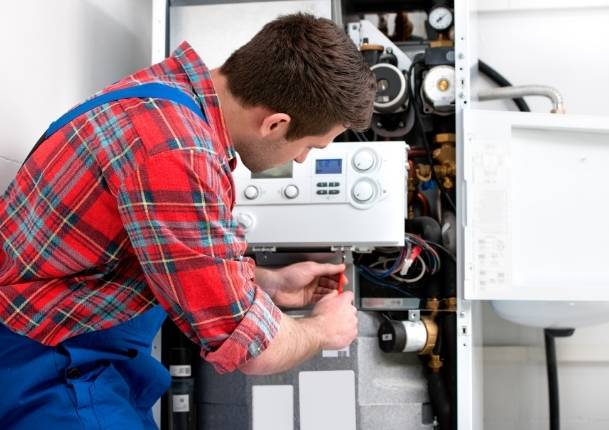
101	380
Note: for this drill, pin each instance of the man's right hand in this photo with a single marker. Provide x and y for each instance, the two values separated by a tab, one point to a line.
332	325
336	319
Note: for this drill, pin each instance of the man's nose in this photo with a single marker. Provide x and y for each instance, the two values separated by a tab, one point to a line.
302	157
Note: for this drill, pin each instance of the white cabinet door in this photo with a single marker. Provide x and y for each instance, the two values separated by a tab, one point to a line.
535	206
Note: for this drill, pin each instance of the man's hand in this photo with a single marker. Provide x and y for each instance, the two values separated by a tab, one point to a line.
299	284
337	320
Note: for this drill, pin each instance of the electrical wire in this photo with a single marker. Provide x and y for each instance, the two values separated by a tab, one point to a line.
416	278
443	248
380	283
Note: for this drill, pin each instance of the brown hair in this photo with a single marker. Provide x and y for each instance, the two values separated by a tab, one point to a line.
305	67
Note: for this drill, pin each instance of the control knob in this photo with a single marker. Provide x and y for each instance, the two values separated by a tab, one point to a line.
363	191
251	192
291	191
364	160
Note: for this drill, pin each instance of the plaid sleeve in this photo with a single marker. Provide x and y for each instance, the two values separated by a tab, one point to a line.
176	209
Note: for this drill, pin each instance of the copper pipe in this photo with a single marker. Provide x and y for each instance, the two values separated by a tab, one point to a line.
425	209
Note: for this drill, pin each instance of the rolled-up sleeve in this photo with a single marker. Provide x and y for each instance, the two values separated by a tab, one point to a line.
176	210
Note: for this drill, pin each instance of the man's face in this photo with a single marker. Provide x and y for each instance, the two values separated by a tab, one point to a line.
267	154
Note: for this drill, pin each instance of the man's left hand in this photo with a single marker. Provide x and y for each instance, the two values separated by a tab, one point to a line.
299	284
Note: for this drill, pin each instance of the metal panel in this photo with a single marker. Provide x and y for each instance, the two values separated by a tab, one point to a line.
216	30
469	338
521	171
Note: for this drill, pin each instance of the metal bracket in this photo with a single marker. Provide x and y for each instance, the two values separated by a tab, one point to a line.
264	249
353	248
414	315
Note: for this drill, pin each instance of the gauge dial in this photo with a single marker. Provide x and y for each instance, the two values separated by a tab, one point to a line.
440	18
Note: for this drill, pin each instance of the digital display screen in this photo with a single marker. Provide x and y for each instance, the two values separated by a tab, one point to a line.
283	171
328	166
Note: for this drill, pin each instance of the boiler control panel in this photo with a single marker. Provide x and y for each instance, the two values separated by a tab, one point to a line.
347	194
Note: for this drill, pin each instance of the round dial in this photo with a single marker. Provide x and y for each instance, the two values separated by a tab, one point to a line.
364	160
251	192
363	191
440	18
291	191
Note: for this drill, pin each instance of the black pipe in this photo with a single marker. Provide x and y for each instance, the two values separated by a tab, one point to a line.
427	227
449	330
549	335
440	402
497	78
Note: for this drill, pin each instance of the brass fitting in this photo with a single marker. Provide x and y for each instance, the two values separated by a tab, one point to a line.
432	335
371	47
433	305
435	363
450	304
423	172
441	43
441	138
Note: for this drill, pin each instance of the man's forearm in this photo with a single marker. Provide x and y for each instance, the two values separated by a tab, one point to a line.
296	341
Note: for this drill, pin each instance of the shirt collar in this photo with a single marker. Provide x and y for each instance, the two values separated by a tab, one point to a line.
203	87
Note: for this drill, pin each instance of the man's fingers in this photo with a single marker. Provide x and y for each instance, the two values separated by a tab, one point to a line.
327	269
332	293
328	283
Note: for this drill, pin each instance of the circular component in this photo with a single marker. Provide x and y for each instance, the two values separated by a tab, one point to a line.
443	85
363	191
439	86
364	160
251	192
440	18
402	336
245	220
291	191
391	89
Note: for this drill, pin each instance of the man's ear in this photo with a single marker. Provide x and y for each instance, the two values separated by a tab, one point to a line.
275	126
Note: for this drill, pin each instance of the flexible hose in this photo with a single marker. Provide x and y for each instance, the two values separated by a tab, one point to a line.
554	403
497	78
517	91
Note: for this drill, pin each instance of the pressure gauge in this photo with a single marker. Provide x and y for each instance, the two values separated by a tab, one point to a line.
440	18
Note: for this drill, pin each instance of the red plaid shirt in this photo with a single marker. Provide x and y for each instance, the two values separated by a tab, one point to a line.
128	206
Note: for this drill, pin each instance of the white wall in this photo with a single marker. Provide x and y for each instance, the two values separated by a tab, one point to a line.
55	53
535	42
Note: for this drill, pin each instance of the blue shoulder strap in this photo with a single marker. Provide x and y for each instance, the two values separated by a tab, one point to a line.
151	90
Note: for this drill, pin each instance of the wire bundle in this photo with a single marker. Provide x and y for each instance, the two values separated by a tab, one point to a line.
398	267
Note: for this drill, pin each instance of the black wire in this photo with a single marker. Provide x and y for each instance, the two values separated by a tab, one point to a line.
425	142
357	136
443	248
362	136
497	78
382	284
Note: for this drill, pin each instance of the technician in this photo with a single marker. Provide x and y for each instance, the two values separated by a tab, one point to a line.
122	215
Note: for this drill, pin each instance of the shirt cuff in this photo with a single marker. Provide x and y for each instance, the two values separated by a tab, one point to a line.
252	336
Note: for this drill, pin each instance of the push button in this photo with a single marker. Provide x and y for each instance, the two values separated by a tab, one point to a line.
334	184
322	192
334	192
322	184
